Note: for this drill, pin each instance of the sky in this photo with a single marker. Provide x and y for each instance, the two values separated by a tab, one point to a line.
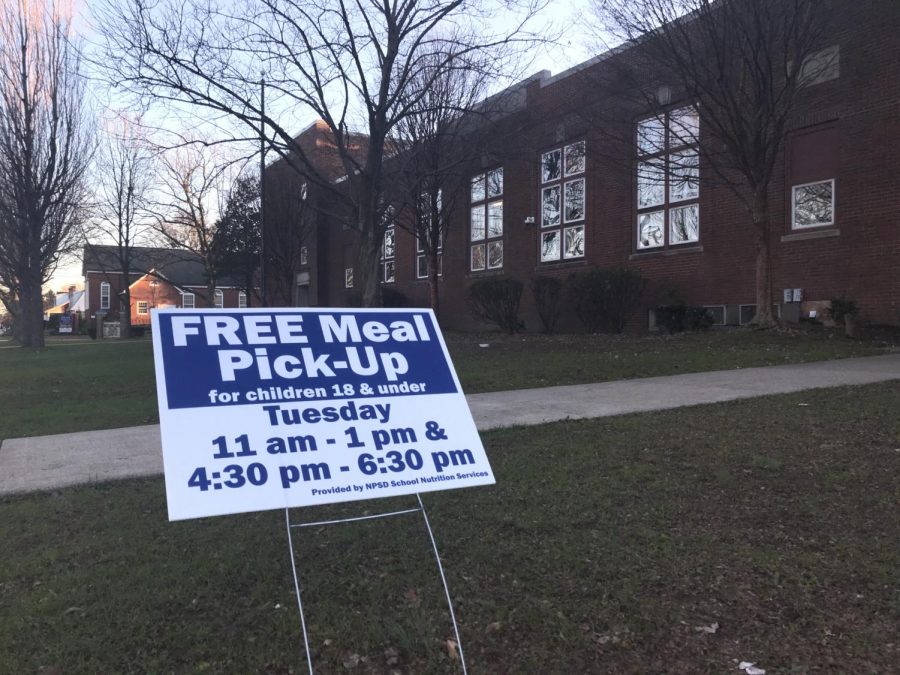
575	46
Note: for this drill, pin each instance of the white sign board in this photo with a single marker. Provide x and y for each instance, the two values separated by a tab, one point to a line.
272	408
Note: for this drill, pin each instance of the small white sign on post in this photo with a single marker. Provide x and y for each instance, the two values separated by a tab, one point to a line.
272	408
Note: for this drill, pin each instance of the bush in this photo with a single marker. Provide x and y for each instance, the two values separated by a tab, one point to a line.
548	300
843	307
678	317
497	301
391	297
604	299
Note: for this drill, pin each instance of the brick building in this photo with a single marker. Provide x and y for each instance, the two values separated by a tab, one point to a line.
549	198
160	277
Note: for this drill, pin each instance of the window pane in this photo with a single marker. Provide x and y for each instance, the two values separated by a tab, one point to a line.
550	245
650	184
477	223
220	299
477	261
142	307
495	219
575	158
651	136
574	242
650	229
348	277
814	204
684	179
478	188
494	254
304	255
495	183
389	243
684	224
421	267
188	301
575	200
550	165
684	127
242	300
389	271
550	206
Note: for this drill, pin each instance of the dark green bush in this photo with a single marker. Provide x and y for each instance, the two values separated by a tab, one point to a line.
678	317
548	300
604	299
843	307
391	297
497	301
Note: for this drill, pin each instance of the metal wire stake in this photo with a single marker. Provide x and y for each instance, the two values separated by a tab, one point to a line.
462	658
287	520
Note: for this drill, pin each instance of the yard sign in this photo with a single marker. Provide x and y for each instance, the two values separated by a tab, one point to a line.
273	408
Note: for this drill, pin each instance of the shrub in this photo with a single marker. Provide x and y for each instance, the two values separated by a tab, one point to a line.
548	300
497	301
678	317
604	299
391	297
843	307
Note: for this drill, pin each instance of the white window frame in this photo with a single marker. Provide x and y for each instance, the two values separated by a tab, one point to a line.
146	306
219	298
794	188
484	206
421	262
304	255
105	294
242	300
565	225
184	300
389	261
348	277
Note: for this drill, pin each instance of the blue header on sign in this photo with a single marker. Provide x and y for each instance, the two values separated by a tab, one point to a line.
217	358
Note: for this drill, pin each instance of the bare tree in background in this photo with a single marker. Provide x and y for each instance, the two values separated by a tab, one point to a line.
437	145
346	62
124	171
190	185
742	63
45	149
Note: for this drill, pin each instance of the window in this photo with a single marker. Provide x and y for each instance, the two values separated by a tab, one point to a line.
187	301
486	221
387	256
812	166
820	66
348	277
813	204
219	298
668	180
422	260
104	295
143	307
304	255
562	203
242	300
348	266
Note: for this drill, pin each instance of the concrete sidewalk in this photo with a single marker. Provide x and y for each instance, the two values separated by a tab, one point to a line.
43	462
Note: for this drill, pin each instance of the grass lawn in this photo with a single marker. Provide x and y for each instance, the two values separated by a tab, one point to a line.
606	546
76	386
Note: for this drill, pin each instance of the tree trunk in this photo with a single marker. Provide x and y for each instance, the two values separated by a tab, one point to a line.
31	315
434	297
763	221
366	277
125	309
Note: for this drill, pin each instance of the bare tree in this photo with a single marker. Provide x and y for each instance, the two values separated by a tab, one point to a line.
344	61
741	63
437	144
186	205
124	170
45	149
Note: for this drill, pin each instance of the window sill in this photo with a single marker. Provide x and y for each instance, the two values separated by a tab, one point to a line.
812	234
561	264
481	274
666	252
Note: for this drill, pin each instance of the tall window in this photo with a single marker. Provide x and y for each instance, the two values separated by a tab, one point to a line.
668	180
187	301
348	267
242	300
563	203
104	295
220	298
143	307
387	256
304	255
422	261
486	221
